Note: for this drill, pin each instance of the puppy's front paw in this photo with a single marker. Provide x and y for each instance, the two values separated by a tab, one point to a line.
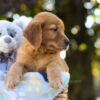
12	81
56	83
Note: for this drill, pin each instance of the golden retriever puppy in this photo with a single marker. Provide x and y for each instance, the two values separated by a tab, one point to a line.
44	39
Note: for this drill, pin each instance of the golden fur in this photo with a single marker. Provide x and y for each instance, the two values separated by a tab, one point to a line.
44	39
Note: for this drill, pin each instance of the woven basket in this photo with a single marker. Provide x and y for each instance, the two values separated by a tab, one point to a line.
63	95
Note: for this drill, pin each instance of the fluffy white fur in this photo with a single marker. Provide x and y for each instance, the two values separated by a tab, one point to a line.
9	29
22	21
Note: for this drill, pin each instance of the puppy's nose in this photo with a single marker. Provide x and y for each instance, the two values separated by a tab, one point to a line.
7	40
66	42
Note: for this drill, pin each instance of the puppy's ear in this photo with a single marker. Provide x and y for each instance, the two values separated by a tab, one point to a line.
33	33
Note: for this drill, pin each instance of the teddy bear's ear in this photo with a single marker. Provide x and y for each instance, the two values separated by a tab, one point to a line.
33	33
22	21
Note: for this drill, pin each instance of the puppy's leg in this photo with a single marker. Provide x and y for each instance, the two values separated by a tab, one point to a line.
14	75
54	75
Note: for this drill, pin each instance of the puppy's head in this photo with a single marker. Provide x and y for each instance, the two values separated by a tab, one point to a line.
46	30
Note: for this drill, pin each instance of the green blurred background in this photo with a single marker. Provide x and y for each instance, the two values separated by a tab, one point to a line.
82	23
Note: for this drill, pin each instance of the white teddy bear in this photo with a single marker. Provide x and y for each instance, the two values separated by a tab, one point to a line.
10	39
22	21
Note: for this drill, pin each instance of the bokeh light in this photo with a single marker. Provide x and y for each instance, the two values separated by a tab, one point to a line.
49	5
75	29
89	21
88	5
82	46
97	43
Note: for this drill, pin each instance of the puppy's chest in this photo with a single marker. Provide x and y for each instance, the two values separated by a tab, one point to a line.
39	63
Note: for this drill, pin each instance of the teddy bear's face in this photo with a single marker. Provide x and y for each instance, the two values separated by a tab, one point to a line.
10	36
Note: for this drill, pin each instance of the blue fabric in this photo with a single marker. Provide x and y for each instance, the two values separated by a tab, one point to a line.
33	86
3	66
44	75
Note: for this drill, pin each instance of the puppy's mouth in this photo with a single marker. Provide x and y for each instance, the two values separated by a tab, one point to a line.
66	48
58	48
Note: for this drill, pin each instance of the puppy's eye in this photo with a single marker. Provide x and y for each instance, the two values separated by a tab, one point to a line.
0	33
54	29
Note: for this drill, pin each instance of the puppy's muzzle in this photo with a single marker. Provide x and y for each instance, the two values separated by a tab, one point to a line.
7	40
